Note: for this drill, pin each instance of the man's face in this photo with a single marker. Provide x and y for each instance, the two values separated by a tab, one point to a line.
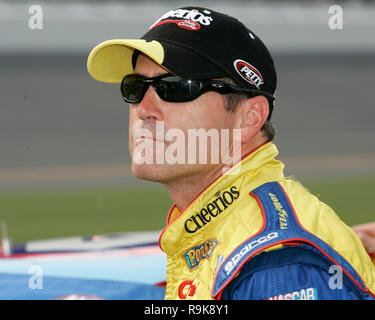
152	113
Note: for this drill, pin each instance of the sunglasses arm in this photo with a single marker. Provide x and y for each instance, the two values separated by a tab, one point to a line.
225	88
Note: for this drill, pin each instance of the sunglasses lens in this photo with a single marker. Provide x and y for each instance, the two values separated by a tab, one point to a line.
169	88
175	89
133	88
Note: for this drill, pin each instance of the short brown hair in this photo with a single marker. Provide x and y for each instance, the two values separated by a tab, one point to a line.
233	99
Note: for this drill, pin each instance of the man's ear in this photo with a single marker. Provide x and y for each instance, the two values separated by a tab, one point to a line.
252	114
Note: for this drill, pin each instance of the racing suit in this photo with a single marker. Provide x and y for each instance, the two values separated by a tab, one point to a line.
255	234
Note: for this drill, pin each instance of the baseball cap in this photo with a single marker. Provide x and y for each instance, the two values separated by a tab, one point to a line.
195	43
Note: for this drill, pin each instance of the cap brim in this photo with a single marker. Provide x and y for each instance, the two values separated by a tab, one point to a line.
111	60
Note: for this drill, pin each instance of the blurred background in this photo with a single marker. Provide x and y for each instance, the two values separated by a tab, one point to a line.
64	162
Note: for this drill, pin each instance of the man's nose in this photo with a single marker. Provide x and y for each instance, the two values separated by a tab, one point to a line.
149	109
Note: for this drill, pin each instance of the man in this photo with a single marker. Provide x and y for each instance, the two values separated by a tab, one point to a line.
237	229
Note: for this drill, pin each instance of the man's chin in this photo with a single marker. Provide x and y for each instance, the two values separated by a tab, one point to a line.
150	172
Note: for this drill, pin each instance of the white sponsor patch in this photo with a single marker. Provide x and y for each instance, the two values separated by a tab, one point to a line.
187	19
230	265
248	72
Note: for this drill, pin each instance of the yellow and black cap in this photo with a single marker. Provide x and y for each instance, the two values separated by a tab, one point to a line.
195	43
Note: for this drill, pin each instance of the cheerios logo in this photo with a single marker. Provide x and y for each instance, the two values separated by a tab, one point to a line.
186	19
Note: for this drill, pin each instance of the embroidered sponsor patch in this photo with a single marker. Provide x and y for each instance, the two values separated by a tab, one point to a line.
201	251
303	294
243	250
223	200
283	215
188	24
186	19
248	72
187	288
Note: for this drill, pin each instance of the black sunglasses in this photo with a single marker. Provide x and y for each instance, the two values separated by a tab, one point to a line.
172	88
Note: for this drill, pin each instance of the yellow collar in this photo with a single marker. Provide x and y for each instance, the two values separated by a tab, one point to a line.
253	170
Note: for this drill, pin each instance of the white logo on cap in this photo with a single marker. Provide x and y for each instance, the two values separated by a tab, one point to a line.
188	16
248	72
